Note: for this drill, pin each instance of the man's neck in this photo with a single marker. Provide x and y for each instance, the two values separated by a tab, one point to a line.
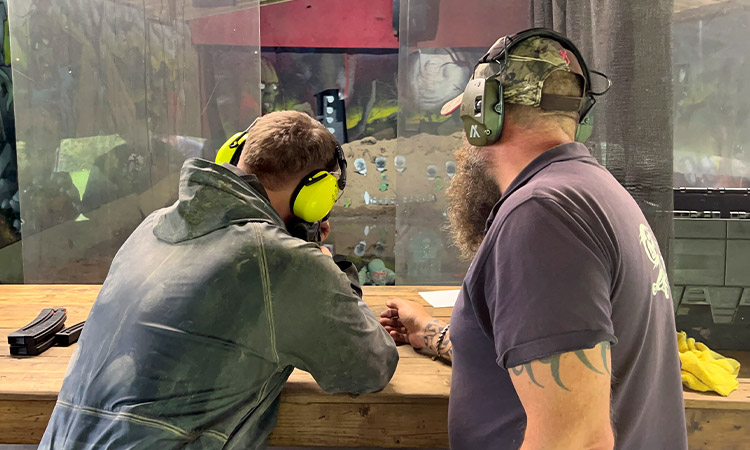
518	148
279	198
280	201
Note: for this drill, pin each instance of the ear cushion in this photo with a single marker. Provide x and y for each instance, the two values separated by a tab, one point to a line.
231	150
315	196
482	111
585	127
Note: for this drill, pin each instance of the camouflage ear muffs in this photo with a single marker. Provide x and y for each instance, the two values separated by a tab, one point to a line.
514	70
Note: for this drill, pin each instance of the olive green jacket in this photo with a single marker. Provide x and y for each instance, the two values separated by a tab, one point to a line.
207	309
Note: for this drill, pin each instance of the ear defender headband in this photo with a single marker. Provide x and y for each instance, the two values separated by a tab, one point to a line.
314	196
483	106
232	149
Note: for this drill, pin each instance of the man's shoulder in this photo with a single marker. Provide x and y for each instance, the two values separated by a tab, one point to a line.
584	174
567	194
273	238
526	204
283	249
574	185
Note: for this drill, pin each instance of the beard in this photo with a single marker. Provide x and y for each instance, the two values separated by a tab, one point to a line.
472	194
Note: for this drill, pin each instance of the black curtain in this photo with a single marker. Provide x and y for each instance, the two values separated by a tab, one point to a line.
631	42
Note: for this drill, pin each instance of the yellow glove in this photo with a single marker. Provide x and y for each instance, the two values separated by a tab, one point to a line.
705	370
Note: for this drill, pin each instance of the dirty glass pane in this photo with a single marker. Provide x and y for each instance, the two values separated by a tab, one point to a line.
439	43
711	259
340	65
364	80
11	266
110	98
711	98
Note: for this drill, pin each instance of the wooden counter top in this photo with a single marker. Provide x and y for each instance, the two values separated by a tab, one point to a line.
410	412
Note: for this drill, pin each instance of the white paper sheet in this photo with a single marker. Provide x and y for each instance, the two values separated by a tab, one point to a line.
441	299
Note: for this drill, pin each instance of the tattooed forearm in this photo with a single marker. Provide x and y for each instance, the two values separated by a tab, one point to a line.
431	333
554	365
431	337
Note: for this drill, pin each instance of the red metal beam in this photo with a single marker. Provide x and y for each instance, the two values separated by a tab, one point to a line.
329	24
365	24
235	28
304	23
478	23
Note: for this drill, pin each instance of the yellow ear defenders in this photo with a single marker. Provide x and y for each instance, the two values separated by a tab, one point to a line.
232	149
314	196
482	105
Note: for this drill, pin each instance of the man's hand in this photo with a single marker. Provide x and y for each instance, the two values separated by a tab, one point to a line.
409	323
325	230
326	251
567	400
406	321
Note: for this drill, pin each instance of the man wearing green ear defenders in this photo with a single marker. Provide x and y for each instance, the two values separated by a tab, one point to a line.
211	304
563	334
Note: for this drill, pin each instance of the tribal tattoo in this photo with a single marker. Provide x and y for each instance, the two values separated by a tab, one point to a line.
554	365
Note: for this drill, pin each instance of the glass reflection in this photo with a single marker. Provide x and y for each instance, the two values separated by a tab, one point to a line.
111	98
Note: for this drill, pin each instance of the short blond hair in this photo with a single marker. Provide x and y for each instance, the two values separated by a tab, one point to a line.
282	145
558	83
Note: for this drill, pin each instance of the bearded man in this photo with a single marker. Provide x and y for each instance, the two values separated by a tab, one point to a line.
564	267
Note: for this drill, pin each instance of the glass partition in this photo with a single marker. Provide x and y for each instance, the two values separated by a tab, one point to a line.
11	265
712	172
711	108
439	43
338	60
364	80
110	98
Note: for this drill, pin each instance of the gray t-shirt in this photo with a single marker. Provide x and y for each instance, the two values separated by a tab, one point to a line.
568	261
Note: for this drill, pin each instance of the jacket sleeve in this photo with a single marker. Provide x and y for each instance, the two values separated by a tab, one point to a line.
321	324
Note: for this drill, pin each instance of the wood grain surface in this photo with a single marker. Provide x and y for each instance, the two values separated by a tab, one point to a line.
410	413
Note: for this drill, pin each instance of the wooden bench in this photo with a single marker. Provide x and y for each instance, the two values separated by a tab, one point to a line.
411	412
